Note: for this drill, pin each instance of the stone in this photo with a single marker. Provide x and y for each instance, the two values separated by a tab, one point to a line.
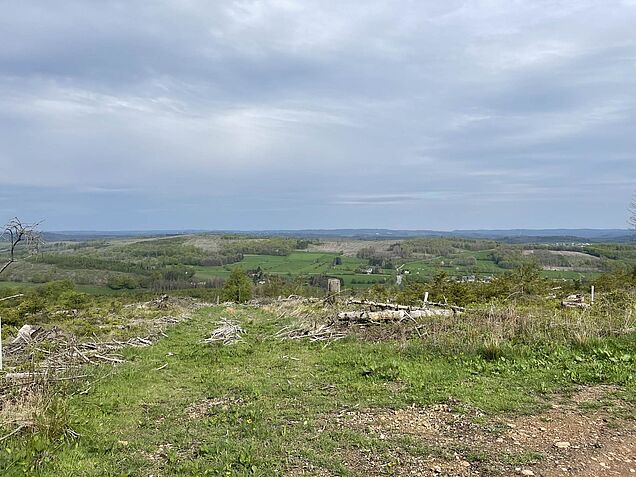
562	445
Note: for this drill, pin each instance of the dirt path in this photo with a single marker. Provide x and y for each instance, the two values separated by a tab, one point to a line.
576	436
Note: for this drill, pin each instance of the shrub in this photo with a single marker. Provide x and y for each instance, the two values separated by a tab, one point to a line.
238	287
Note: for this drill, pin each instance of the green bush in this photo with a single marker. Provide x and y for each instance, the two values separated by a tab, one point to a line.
238	287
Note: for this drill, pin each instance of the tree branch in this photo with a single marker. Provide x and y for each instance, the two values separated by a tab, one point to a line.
12	296
16	233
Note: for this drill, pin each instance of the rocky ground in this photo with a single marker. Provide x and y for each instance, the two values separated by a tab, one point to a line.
587	434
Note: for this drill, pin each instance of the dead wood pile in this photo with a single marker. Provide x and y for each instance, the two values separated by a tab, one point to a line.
311	331
379	312
56	354
427	306
574	301
228	332
53	352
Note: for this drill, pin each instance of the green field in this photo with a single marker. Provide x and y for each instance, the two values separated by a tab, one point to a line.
300	264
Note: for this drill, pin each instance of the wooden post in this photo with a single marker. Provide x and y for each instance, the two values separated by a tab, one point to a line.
425	298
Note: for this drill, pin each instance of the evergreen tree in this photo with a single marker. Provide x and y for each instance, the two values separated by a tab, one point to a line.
238	287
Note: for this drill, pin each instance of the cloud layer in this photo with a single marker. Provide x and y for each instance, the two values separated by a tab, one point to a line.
293	114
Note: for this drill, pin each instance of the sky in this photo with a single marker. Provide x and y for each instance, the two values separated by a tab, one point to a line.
285	114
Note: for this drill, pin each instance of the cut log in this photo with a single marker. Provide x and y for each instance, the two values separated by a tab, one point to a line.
24	334
12	297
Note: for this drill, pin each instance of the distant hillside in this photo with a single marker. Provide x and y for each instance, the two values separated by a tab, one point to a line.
510	235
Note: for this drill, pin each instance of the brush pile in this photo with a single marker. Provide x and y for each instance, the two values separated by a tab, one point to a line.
37	351
228	332
574	301
311	331
54	353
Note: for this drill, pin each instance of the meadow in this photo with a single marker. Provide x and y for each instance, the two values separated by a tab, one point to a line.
357	406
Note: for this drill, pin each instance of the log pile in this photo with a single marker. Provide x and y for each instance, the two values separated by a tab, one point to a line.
394	306
390	315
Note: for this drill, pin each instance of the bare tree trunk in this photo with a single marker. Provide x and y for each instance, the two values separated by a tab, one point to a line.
16	233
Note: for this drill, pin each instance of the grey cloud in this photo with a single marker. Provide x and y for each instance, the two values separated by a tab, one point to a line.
257	114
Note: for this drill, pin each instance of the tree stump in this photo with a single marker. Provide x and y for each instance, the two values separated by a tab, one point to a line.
333	289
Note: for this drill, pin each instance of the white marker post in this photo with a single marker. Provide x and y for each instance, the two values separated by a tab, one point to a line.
592	300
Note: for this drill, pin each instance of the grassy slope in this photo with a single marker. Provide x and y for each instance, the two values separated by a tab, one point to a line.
297	263
276	400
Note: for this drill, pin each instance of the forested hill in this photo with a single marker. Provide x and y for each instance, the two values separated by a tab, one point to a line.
505	235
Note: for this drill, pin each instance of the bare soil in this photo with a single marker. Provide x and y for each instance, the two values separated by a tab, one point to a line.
577	435
349	247
566	253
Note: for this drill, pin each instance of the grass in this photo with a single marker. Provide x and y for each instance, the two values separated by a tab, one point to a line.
265	407
570	275
300	263
17	285
90	289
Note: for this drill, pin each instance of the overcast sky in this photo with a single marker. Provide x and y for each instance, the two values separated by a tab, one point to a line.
421	114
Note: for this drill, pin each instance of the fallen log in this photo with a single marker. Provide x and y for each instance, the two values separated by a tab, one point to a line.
375	304
395	306
389	315
24	334
22	376
12	297
386	315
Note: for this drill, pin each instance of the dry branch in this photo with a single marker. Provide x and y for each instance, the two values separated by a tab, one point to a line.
312	332
16	233
575	301
227	332
12	297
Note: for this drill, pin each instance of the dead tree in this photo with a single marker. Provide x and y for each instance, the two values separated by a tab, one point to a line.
16	233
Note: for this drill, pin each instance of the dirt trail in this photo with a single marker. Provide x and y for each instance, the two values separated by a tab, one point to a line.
576	436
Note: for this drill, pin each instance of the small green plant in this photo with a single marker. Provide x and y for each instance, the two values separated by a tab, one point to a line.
492	349
383	371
